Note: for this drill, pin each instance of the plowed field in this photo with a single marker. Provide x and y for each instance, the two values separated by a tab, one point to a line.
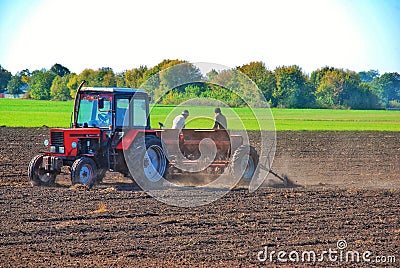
349	205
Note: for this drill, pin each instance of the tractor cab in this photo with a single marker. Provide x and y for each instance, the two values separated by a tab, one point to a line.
95	111
109	109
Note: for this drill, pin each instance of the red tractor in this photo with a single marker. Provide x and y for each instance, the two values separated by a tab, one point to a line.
111	128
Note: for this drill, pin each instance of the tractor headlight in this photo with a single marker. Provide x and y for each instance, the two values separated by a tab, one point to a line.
46	143
61	149
73	145
52	149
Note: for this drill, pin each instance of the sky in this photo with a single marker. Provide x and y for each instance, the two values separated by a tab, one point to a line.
359	35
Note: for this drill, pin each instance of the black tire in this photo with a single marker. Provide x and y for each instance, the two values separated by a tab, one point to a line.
144	151
84	171
244	164
101	173
37	174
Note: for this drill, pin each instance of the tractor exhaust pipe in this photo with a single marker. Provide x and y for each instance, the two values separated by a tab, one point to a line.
76	101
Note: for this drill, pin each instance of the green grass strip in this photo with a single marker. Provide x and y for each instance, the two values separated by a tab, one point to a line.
34	113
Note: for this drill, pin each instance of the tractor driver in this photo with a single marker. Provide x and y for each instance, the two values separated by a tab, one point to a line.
104	114
105	118
179	121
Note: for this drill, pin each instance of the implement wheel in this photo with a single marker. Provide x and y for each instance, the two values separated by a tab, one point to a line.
244	163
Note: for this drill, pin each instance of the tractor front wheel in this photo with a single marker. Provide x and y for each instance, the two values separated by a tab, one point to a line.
38	175
84	171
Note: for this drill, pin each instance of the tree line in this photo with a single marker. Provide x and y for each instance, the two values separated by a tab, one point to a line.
285	86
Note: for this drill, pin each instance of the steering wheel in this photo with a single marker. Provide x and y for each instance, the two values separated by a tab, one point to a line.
103	118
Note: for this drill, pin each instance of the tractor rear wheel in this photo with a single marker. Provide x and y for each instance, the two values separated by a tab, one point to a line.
84	171
244	163
37	174
147	159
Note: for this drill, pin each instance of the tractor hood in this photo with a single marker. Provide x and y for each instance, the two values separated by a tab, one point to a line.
67	141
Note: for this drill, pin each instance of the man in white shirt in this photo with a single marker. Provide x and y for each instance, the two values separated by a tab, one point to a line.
179	121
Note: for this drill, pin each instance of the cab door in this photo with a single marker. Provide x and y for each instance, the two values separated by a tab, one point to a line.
140	111
132	112
122	115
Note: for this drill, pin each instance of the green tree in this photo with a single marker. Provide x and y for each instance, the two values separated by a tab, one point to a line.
211	75
25	76
88	75
235	89
224	95
73	83
59	89
338	88
15	85
364	98
179	75
120	79
134	78
352	93
161	66
40	83
151	78
317	75
104	77
59	70
5	77
293	90
175	97
369	75
263	78
171	74
222	87
19	82
387	87
329	89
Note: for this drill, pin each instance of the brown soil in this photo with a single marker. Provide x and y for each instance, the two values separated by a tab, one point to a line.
351	192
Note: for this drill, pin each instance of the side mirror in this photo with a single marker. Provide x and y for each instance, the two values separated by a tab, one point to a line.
100	104
161	125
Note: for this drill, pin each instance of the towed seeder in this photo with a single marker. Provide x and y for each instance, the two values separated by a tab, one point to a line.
208	151
214	152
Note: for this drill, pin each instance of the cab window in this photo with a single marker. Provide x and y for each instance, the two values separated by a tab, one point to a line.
139	112
122	106
91	114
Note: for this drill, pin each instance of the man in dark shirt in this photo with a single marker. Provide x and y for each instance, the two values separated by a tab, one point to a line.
219	120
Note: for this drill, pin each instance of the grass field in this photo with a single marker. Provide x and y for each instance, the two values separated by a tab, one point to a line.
32	113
